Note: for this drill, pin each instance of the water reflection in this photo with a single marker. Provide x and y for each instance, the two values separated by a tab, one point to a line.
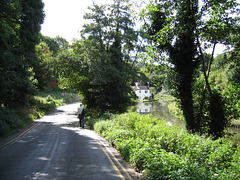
144	108
159	110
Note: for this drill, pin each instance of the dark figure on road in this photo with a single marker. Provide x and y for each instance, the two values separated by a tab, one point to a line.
81	112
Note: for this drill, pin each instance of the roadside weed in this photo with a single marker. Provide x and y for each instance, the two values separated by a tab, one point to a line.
161	151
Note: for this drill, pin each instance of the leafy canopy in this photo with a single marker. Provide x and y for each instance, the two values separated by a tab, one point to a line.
177	29
98	66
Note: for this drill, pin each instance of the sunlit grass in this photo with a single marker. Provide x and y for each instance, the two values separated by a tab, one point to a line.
14	119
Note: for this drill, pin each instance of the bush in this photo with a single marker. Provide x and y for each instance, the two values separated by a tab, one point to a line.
232	96
164	152
45	104
11	120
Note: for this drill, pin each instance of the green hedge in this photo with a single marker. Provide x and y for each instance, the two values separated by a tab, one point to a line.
164	152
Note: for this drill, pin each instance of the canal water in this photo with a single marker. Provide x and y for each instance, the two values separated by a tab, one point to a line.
159	110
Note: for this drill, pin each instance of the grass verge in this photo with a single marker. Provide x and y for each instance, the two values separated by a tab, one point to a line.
14	119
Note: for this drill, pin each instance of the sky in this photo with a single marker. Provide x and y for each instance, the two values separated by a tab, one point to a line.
65	17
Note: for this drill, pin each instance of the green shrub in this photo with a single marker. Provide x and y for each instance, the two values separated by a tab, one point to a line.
164	152
232	96
11	120
93	116
140	154
4	127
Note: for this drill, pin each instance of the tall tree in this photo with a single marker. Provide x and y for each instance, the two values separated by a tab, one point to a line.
62	43
113	34
177	38
44	65
178	27
104	55
20	26
51	42
9	13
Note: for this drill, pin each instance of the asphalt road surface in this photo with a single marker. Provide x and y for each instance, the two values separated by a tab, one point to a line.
55	147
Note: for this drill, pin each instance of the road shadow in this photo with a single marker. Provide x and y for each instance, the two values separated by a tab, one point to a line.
57	148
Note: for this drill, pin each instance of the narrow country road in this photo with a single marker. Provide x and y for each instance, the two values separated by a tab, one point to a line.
55	147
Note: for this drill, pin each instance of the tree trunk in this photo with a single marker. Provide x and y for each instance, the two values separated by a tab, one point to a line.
183	55
187	105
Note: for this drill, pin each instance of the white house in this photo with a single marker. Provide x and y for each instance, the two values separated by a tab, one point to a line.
142	92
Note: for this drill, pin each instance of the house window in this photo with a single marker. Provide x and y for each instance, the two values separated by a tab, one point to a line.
146	92
139	91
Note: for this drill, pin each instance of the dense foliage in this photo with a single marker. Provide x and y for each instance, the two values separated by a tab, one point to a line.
13	119
99	65
164	152
19	33
225	78
28	65
177	29
102	65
